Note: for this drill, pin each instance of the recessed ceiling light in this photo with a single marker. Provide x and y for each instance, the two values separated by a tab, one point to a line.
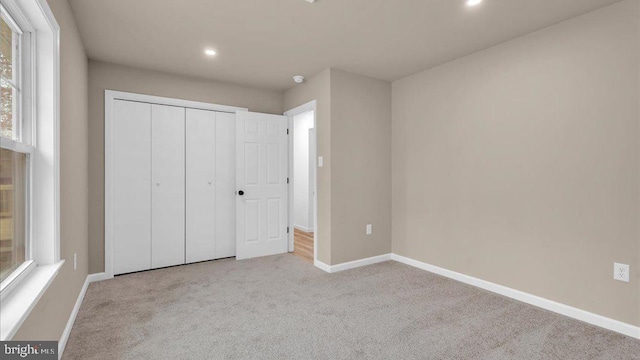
209	52
473	2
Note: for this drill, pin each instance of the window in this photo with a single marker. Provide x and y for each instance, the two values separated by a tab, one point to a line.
15	154
13	249
10	76
29	158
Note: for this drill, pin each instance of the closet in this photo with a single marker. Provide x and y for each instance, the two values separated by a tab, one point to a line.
172	185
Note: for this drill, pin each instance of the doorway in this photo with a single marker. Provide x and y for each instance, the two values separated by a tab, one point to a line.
302	214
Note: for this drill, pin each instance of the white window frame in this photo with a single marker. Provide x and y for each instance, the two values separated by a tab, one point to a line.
21	142
17	66
38	137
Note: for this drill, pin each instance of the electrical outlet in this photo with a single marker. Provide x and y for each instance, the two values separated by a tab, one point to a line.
369	229
75	261
621	272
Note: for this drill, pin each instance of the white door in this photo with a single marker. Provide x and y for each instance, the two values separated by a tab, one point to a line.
261	185
225	185
201	219
168	185
131	186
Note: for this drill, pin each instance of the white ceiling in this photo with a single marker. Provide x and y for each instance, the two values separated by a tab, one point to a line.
263	43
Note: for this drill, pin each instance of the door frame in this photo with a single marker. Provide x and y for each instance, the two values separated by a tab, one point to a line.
109	97
290	114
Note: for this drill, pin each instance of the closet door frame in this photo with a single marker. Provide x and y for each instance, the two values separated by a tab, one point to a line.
109	97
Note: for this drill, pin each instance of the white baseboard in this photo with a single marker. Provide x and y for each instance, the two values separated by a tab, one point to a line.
352	264
322	266
72	318
304	229
566	310
98	277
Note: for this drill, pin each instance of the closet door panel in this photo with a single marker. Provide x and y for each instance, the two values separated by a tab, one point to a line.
226	184
131	192
201	184
168	186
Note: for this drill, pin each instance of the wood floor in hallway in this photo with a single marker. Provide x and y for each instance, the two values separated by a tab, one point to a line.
303	245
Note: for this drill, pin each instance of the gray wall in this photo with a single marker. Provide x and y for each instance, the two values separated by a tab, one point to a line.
50	315
519	164
354	186
105	76
318	88
361	166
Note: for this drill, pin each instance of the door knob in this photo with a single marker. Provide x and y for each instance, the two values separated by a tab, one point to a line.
240	192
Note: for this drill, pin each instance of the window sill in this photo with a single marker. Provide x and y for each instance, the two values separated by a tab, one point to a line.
15	308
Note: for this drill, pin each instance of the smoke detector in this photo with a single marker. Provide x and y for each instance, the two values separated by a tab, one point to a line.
299	79
311	1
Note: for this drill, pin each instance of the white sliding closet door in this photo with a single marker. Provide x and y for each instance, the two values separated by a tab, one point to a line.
168	185
131	186
226	185
201	185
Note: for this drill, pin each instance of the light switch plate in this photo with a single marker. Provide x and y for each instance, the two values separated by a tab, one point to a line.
320	161
369	229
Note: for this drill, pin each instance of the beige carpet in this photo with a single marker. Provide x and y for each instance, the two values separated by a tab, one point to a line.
281	307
